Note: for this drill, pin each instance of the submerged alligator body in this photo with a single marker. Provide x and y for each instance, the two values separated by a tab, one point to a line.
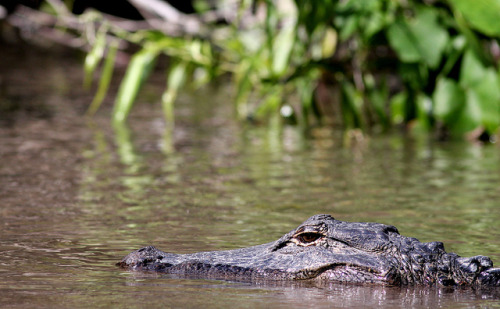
328	250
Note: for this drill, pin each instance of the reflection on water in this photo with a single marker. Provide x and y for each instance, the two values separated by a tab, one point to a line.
75	197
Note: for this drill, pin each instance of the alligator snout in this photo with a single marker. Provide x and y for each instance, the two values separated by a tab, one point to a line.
477	268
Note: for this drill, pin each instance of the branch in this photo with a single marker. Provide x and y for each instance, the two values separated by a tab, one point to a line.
165	17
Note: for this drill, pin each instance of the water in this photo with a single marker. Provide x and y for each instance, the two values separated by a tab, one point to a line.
76	195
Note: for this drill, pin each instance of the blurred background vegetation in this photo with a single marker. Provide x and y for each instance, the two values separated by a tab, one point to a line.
427	66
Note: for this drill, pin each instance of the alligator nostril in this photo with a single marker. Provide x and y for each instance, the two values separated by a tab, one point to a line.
485	261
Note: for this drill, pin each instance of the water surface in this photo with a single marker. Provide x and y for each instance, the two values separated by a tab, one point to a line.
76	195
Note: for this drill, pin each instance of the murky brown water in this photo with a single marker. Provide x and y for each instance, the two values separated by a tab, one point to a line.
77	195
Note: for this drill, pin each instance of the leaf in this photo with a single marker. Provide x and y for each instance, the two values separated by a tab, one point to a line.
397	105
455	53
137	71
473	39
349	27
470	117
175	80
483	15
419	39
352	104
472	70
282	49
449	101
378	95
399	36
243	86
94	57
487	97
374	24
424	109
106	74
306	87
329	43
177	76
271	102
473	102
482	86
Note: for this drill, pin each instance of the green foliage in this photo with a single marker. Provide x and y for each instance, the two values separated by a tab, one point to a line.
481	14
419	39
106	75
138	70
393	62
94	57
445	74
175	80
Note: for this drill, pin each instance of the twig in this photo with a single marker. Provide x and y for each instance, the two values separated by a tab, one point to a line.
169	17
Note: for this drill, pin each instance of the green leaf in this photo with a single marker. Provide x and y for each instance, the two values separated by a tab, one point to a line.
420	39
374	24
106	74
483	15
473	39
175	80
137	72
397	106
94	57
271	102
449	101
306	87
352	104
379	95
399	36
424	109
486	95
470	117
472	70
282	48
244	86
456	50
329	43
349	27
483	92
177	76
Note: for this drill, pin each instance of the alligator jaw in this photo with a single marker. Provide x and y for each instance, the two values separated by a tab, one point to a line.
349	273
151	259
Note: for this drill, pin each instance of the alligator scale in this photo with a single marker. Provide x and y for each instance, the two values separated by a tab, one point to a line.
328	250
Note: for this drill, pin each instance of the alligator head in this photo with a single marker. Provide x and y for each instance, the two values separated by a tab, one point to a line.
328	250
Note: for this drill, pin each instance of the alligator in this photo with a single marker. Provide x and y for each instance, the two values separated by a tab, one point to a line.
323	249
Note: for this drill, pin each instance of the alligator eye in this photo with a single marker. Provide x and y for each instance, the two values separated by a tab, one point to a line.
308	237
